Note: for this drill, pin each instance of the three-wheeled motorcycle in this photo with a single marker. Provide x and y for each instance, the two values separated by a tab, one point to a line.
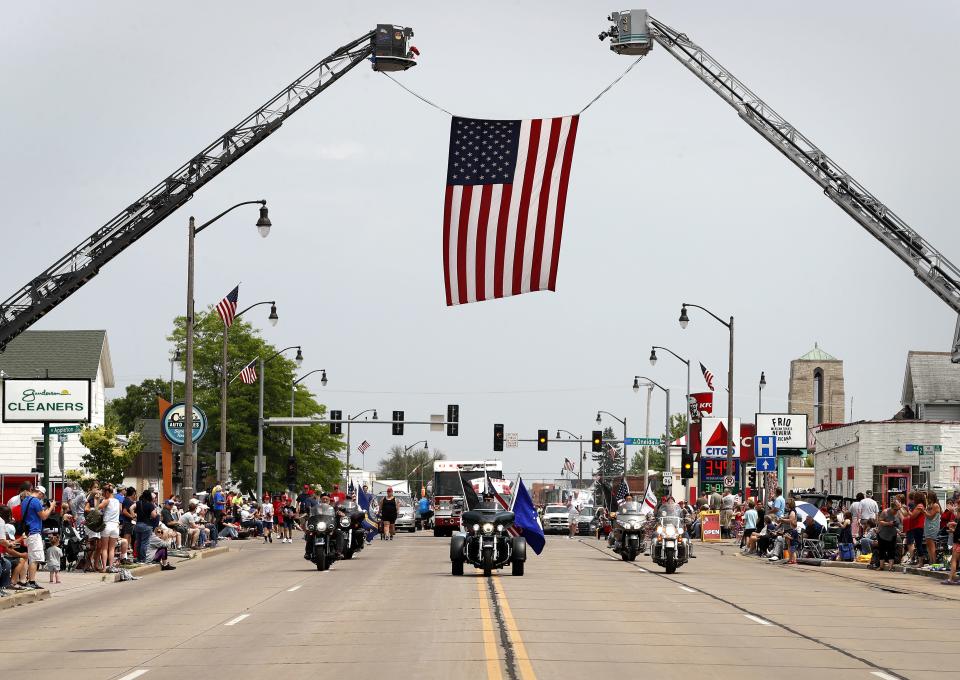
487	544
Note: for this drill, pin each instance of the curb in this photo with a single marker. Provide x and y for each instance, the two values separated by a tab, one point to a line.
148	569
18	599
940	575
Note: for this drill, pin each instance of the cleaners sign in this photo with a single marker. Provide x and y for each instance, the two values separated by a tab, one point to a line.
46	400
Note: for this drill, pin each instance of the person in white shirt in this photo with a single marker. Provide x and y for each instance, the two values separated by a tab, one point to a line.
855	509
868	509
266	515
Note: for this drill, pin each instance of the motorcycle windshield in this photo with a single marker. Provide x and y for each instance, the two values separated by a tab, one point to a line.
324	510
628	509
349	507
671	521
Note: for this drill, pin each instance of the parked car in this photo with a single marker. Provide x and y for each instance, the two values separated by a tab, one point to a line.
556	519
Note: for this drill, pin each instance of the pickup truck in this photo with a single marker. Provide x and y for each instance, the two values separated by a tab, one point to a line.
556	519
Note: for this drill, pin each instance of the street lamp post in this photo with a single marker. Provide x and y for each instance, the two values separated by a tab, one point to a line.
624	422
349	419
580	438
653	362
426	447
293	391
666	432
684	320
261	377
189	464
224	472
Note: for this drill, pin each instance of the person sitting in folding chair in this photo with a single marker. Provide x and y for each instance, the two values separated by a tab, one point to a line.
811	537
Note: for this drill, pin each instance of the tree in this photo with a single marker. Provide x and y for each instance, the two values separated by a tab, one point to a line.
140	401
678	426
409	465
609	462
314	447
109	456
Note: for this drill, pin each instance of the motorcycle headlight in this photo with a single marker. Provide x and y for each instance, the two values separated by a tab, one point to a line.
659	530
321	526
635	525
311	527
344	522
671	531
476	527
488	528
499	528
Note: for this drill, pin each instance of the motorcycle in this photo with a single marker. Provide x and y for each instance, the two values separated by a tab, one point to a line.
626	539
486	543
321	536
351	528
671	544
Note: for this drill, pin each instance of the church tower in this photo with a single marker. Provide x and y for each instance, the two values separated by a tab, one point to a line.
816	387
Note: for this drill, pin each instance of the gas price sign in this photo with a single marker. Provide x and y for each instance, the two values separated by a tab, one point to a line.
712	472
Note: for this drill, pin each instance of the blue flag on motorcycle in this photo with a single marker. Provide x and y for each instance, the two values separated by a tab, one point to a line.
525	519
370	518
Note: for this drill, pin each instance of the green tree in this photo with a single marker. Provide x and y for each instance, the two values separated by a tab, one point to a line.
609	462
109	456
140	401
314	447
411	465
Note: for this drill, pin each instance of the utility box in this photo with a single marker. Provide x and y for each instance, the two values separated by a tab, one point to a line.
630	32
392	50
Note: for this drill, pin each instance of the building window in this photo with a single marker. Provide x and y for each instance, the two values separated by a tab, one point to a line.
850	473
839	474
817	396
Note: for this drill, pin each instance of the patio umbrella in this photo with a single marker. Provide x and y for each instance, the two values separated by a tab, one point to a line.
809	509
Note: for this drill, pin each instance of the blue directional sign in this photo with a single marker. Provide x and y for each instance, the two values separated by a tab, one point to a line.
765	452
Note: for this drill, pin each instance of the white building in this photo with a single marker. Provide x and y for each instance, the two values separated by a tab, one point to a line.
59	354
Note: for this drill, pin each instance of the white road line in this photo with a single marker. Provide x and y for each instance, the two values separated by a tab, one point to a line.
881	674
642	569
687	590
295	588
135	674
757	619
233	622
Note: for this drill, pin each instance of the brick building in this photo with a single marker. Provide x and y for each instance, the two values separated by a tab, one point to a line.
816	387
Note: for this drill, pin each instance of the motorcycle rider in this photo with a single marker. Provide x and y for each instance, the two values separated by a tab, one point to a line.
488	503
309	503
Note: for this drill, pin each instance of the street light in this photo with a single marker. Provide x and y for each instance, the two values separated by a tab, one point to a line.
763	383
189	464
350	418
223	473
684	320
582	454
653	360
624	422
293	391
666	432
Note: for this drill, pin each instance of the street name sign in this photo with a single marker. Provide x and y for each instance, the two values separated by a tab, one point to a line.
643	441
924	448
65	429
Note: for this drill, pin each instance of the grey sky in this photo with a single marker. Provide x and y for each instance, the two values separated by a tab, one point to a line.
671	197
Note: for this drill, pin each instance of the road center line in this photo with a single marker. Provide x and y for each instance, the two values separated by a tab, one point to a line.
489	641
294	589
757	619
687	590
520	650
233	622
135	674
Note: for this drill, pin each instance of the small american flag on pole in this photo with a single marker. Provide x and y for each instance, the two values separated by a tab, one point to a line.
568	465
227	307
248	375
623	490
503	207
707	376
364	445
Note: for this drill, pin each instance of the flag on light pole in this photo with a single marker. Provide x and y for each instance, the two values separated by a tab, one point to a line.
248	375
227	307
707	376
364	445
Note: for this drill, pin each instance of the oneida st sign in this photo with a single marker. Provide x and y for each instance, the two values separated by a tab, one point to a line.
46	400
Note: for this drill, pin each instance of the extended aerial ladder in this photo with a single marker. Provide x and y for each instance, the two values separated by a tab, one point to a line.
633	33
389	49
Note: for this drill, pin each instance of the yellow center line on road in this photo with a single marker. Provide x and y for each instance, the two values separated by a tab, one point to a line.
489	639
519	649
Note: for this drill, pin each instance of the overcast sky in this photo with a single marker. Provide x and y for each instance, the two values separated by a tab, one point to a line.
671	198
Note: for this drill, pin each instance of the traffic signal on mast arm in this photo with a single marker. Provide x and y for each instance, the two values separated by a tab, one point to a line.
597	444
542	438
453	420
686	464
398	422
498	437
336	427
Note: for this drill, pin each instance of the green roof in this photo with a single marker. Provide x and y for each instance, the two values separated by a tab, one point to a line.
65	354
817	354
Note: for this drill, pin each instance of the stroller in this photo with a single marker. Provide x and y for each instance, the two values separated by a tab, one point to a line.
73	547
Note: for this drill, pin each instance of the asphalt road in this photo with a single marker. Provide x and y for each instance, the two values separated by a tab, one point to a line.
396	611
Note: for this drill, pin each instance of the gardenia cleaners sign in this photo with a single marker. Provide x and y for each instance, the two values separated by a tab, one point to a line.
46	400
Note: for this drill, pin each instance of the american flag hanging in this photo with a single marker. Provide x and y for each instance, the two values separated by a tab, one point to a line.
707	376
504	204
364	445
568	465
227	307
249	373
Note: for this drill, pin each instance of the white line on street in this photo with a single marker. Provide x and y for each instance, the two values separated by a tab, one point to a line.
295	588
135	674
687	590
881	674
757	619
642	569
233	622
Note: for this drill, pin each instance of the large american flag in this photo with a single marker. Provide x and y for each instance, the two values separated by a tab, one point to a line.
227	307
249	373
503	207
707	376
364	445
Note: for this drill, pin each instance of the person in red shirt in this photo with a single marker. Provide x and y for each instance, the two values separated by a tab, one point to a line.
947	516
337	495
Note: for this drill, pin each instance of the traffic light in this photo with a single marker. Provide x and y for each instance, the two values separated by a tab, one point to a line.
453	420
160	466
542	438
752	477
177	470
686	464
597	443
336	428
397	422
291	472
498	437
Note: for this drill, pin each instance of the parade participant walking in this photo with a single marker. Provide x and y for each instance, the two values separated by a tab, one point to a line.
289	514
388	514
266	516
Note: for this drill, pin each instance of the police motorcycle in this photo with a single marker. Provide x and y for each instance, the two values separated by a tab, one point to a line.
321	535
486	543
350	520
626	539
670	546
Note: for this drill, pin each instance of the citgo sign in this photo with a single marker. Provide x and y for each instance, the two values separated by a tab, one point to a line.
46	400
